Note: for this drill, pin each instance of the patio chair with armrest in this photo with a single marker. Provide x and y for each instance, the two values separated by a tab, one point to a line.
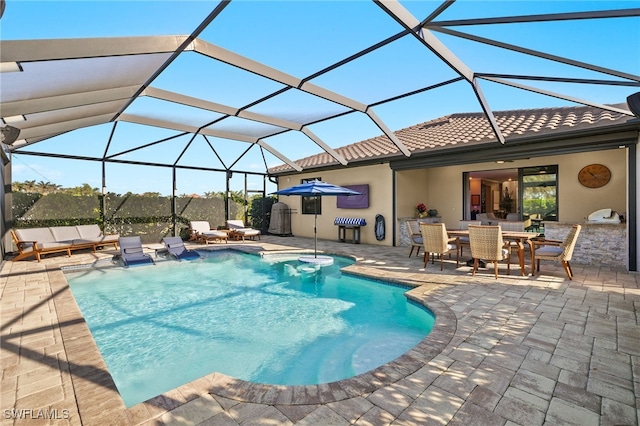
558	251
176	249
487	218
131	252
464	240
436	241
487	244
415	236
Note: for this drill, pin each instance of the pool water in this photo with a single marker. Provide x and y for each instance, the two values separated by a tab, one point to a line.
267	320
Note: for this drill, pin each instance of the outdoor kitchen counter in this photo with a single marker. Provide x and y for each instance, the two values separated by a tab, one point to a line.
598	243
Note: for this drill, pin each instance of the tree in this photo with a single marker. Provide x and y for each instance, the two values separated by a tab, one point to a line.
84	190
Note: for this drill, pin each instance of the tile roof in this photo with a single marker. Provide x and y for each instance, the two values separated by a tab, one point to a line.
469	129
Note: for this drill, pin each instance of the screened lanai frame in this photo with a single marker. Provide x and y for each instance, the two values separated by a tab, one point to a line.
119	83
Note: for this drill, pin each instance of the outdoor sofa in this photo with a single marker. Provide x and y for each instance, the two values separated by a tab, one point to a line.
56	239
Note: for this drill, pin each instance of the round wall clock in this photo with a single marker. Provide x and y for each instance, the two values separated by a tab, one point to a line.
594	175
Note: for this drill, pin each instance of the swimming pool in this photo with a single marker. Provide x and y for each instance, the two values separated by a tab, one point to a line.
265	320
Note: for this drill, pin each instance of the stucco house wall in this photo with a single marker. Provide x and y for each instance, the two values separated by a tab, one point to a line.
443	149
378	177
442	188
444	185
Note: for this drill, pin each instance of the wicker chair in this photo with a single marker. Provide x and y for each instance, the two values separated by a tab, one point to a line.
559	251
464	224
487	244
436	241
415	237
519	226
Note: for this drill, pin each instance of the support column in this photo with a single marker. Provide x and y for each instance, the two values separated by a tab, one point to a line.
103	198
174	203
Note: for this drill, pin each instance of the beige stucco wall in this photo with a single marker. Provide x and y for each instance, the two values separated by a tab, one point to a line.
444	185
442	189
412	189
379	179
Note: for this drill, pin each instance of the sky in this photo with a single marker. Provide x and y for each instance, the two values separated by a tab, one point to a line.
302	38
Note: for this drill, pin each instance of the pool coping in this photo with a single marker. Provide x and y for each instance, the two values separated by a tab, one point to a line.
99	401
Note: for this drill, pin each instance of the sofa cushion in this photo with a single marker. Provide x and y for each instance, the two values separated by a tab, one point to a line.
88	231
41	235
93	234
53	245
65	233
550	251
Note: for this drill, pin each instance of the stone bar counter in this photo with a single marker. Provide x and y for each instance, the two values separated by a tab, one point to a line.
600	244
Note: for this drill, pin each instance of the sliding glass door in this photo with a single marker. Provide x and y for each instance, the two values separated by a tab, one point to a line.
540	192
529	192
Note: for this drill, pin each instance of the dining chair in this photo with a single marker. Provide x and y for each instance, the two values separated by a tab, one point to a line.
517	226
487	244
436	241
556	250
415	237
464	225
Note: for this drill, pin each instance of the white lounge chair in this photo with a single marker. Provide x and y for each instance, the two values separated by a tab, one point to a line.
240	229
201	232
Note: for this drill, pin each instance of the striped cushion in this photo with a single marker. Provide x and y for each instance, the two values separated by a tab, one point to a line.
356	221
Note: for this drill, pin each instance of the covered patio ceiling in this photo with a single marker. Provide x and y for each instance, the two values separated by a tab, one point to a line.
242	86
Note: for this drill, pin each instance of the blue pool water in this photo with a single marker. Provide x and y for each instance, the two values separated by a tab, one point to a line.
265	320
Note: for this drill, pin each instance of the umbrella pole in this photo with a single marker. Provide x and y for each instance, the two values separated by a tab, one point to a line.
315	230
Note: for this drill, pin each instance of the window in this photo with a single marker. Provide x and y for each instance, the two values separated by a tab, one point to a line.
311	205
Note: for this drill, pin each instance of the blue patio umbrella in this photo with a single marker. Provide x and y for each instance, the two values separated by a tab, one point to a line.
316	189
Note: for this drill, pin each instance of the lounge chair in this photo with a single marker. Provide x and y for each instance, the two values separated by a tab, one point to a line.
238	227
177	250
131	252
202	232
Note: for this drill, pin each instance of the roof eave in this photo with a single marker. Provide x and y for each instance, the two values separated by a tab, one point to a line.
571	141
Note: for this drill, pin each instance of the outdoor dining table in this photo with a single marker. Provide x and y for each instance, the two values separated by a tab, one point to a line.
520	237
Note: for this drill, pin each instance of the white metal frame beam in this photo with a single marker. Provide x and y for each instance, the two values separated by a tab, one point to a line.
409	22
231	58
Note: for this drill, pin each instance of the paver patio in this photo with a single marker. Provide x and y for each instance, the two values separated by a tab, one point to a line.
517	350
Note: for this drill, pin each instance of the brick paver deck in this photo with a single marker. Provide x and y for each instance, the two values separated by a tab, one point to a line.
517	350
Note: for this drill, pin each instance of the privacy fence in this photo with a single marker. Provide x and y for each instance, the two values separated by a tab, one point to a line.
150	217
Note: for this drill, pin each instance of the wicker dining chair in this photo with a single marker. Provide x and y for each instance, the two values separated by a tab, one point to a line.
463	225
436	241
487	244
415	237
559	251
518	226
